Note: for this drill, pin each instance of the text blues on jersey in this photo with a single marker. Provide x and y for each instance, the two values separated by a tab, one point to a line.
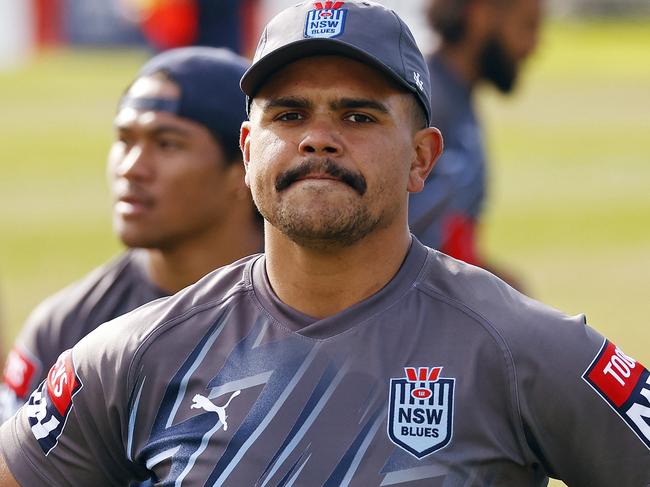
420	415
326	20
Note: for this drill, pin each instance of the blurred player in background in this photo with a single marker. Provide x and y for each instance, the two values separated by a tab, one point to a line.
480	41
179	204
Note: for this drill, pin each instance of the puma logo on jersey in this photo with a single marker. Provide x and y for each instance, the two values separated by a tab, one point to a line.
202	402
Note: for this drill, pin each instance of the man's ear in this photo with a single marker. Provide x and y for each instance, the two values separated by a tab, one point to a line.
245	146
428	147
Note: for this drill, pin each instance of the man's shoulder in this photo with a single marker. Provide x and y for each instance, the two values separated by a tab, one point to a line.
94	285
171	326
211	294
508	315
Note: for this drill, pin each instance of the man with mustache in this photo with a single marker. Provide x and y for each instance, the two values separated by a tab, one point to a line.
179	205
348	354
479	41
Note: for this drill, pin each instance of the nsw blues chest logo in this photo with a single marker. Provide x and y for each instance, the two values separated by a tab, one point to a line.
421	411
326	20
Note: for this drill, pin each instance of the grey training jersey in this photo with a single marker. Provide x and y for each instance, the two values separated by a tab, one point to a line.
64	318
446	377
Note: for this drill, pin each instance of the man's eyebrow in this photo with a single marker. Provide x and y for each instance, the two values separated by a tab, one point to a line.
287	102
355	103
339	104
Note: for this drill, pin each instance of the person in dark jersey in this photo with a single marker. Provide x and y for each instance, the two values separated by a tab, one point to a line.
480	41
347	354
179	204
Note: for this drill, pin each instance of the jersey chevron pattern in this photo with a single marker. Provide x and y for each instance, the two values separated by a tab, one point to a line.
446	377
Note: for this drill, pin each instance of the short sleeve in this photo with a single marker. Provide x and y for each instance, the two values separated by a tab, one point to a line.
72	429
25	366
576	413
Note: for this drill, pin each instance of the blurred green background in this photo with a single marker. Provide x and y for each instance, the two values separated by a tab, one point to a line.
570	191
569	206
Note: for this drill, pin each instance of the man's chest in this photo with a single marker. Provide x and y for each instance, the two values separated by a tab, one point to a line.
300	412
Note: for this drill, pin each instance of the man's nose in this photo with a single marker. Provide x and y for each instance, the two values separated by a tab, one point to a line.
321	138
135	163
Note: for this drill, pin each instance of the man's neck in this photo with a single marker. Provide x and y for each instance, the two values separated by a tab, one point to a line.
172	269
322	283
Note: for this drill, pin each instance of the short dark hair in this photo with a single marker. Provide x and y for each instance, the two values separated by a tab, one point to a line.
417	114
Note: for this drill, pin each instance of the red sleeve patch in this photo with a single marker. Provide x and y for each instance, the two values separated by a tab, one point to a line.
61	382
615	374
19	372
49	405
625	385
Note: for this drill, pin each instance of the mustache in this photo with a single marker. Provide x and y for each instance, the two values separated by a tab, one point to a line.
321	166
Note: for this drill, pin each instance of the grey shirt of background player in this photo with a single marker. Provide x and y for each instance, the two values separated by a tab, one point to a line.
67	316
457	184
177	184
224	384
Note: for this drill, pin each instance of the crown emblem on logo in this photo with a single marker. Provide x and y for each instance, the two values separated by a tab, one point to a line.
328	5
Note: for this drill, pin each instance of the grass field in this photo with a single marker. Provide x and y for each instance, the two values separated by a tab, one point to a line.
570	186
570	206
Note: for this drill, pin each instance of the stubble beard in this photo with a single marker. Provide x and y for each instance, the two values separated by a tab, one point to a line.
316	221
330	227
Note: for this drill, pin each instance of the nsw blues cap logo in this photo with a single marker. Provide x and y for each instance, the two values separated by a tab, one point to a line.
327	20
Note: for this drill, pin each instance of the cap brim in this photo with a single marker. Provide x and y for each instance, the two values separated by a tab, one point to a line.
260	71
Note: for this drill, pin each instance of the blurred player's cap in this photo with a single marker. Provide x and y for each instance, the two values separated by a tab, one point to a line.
208	79
361	30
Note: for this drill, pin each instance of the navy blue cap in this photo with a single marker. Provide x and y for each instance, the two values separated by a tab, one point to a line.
361	30
208	79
